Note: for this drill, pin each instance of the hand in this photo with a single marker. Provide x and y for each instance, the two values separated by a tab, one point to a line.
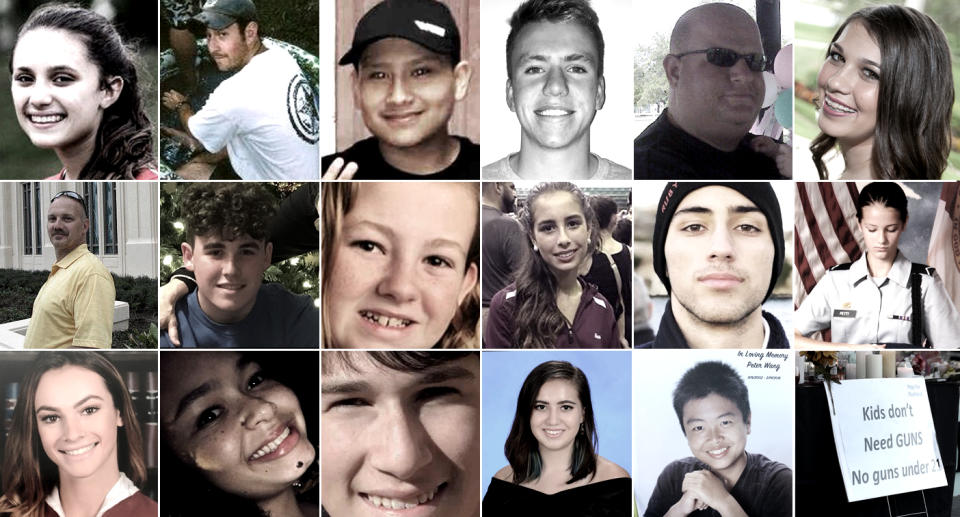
705	486
169	294
780	153
172	99
687	504
337	171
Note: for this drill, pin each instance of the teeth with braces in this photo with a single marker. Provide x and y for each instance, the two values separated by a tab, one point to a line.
837	107
385	321
398	504
81	450
46	119
272	446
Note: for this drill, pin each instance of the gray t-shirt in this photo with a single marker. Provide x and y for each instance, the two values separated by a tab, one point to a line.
501	170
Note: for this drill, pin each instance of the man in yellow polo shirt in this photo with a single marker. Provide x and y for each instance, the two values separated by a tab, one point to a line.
74	308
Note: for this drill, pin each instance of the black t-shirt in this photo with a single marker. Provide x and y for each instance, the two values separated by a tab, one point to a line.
664	151
764	489
371	165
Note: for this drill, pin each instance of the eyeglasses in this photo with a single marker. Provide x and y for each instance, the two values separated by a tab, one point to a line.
726	58
72	195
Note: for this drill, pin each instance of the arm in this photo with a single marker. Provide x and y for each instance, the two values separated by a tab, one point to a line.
941	321
93	311
707	488
499	330
814	315
170	293
177	102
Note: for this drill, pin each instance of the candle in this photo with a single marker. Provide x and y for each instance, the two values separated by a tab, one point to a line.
904	371
889	364
861	365
851	371
874	366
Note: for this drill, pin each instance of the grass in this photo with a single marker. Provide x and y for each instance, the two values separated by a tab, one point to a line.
19	288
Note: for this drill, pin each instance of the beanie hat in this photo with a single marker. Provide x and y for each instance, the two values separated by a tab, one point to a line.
761	194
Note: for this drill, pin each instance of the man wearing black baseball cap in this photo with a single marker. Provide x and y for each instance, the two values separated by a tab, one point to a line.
408	76
718	248
264	115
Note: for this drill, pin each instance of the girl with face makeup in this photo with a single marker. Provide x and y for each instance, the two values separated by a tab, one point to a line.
552	449
872	300
400	265
885	95
75	440
75	90
234	439
549	306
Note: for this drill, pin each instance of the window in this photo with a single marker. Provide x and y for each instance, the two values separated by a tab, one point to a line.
32	219
27	228
90	191
101	198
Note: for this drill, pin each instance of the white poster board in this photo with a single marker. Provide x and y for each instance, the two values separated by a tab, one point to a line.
885	438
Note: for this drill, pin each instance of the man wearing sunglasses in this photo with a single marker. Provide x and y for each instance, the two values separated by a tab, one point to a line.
714	69
74	307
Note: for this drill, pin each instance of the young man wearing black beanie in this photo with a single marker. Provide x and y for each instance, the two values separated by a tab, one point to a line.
718	248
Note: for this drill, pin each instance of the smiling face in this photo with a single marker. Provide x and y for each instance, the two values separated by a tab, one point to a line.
555	88
717	434
230	47
406	93
228	273
77	422
400	265
56	90
560	231
719	254
66	225
244	432
881	228
849	83
709	101
557	414
396	440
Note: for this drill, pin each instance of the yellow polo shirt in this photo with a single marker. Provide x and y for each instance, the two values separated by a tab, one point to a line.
74	308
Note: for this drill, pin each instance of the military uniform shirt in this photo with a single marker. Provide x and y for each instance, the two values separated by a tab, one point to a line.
859	311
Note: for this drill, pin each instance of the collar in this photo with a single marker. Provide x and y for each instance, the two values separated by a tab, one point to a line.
71	257
899	272
670	336
766	332
121	490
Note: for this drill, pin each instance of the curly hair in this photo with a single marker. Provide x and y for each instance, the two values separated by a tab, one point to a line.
28	474
538	320
124	141
915	97
228	210
337	200
556	11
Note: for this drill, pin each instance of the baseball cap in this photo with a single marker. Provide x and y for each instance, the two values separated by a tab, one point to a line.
425	22
218	14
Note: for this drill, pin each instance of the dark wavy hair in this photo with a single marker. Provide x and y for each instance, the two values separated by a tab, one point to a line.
228	209
523	450
604	208
28	474
709	378
912	136
886	193
198	497
538	320
556	11
337	200
124	139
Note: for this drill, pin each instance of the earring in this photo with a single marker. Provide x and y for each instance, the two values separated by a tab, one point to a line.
535	247
297	485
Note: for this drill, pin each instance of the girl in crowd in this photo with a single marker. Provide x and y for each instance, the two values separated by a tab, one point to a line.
75	91
400	265
881	298
885	96
611	266
552	449
234	440
75	440
549	306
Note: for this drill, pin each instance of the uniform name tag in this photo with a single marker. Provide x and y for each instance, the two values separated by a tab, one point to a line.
844	313
898	317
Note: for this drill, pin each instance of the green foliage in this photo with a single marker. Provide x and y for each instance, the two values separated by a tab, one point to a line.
650	84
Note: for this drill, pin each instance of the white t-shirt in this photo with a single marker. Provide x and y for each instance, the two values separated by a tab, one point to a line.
266	118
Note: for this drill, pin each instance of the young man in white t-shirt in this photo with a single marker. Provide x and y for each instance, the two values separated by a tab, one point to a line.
263	116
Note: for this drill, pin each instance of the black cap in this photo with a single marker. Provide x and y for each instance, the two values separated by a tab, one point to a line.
218	14
761	194
425	22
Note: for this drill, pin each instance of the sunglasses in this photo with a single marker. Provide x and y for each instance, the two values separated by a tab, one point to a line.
726	58
72	195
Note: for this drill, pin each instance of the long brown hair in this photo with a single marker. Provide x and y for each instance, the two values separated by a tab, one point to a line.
337	200
539	321
28	474
912	136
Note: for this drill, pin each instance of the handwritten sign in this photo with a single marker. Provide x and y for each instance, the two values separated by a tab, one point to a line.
885	438
764	364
